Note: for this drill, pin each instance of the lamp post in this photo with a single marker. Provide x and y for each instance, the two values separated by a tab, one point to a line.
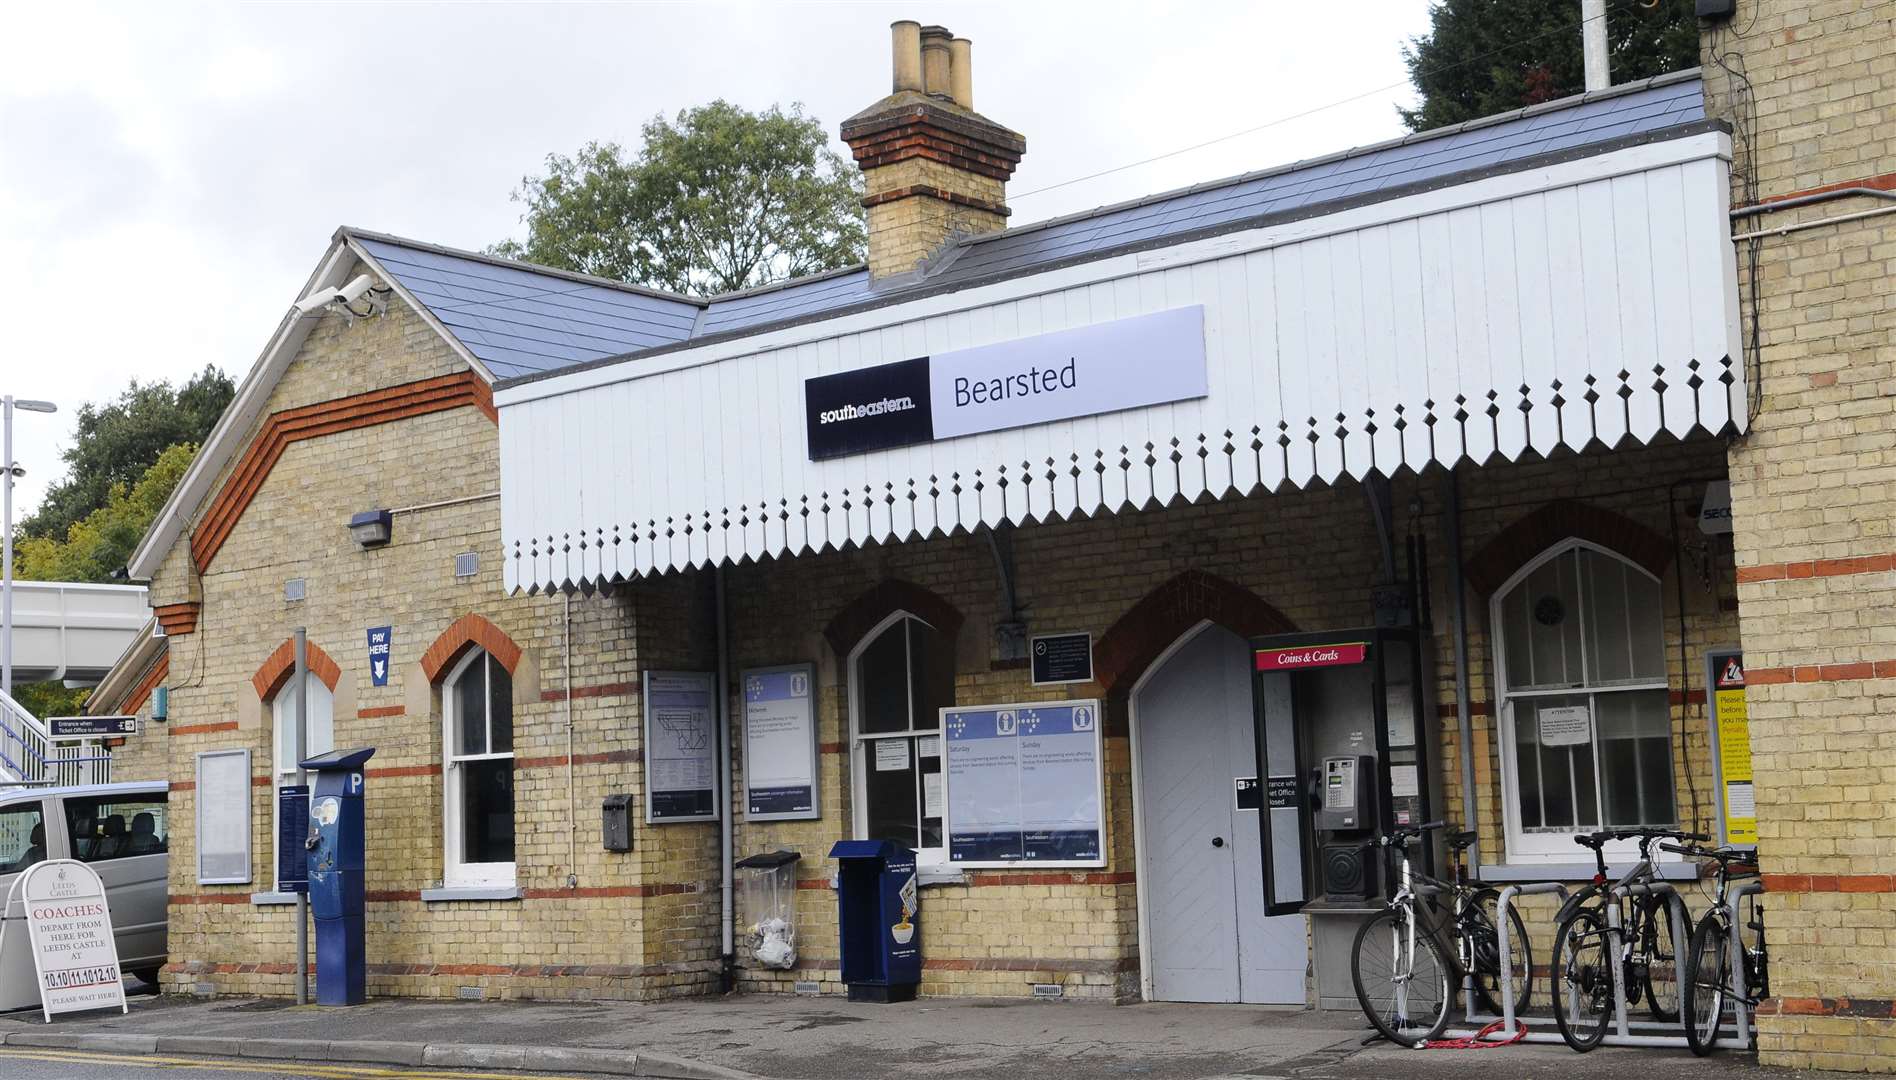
12	471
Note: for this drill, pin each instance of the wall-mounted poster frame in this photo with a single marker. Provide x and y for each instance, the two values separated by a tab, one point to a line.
681	746
1025	785
223	817
781	763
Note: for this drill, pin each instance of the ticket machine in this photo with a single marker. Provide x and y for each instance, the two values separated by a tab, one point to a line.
336	871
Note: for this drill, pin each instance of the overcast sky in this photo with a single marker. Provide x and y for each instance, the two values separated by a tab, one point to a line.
170	175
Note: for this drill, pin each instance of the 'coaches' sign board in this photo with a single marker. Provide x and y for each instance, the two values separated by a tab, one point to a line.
1123	364
69	926
63	728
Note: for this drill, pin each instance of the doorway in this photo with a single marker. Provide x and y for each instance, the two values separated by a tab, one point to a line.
1204	934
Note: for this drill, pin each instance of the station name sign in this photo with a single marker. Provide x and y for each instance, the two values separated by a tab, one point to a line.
1123	364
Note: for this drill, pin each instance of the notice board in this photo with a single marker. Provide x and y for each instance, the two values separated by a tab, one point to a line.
1024	785
780	743
681	746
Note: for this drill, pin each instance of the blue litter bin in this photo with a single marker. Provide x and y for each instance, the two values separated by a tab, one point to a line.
879	916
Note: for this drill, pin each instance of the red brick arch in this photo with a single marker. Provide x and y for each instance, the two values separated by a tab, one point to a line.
466	632
1150	627
887	597
277	670
1527	538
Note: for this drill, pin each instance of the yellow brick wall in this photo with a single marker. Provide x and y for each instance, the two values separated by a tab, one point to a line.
1813	500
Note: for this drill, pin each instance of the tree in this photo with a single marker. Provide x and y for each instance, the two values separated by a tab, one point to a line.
97	546
717	200
1483	57
116	443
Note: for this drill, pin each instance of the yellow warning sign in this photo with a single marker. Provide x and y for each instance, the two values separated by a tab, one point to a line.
1733	725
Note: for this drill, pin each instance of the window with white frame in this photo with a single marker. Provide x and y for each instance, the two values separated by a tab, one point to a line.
477	700
900	677
1586	722
321	740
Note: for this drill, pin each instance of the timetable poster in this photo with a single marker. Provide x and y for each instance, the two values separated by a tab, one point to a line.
780	743
681	746
1024	785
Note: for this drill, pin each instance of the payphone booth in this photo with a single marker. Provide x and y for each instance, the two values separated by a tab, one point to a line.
1344	727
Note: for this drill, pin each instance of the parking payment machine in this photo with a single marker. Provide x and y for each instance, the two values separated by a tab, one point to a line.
336	865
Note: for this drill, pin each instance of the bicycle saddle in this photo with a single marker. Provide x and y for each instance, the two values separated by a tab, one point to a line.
1462	840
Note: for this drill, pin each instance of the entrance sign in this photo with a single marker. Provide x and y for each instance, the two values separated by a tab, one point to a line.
1024	785
681	746
64	728
1248	793
1565	725
1731	746
1299	657
1061	658
1104	368
780	758
379	639
223	817
69	926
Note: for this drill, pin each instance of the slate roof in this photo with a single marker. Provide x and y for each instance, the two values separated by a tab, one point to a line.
524	321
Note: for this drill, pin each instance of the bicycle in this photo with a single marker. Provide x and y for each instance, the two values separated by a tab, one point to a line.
1399	953
1597	920
1708	974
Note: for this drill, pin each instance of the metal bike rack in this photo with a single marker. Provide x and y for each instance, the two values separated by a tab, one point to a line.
1503	905
1741	1012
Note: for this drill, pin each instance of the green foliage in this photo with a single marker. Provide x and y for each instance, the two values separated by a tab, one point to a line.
1483	57
117	442
98	545
717	200
44	699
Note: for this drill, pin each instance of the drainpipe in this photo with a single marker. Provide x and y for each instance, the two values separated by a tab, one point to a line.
572	785
1464	720
727	972
302	751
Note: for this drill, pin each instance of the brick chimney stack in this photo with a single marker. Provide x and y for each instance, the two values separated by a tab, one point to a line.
935	169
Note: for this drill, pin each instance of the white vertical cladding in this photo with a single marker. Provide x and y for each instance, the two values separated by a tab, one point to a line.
1563	311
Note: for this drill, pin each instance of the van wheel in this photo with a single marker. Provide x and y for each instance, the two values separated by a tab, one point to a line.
148	976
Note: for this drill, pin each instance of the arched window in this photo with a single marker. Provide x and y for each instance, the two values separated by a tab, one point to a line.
900	676
478	766
1585	718
321	716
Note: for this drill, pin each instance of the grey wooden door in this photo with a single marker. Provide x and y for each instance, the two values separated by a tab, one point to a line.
1207	938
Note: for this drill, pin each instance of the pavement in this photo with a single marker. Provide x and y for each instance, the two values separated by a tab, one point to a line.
806	1038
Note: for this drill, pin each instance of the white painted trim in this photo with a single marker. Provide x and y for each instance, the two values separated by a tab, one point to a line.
1138	810
458	875
933	857
1518	848
1636	159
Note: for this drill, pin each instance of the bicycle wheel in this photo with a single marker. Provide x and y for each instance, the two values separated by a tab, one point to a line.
1487	949
1583	979
1707	974
1404	991
1662	962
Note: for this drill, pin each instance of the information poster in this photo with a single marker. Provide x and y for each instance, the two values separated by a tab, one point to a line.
780	759
1566	725
681	746
1732	732
1024	785
223	817
70	927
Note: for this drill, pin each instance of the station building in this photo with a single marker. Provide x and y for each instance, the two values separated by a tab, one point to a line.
1459	467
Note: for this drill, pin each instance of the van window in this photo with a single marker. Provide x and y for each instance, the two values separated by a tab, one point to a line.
22	837
105	827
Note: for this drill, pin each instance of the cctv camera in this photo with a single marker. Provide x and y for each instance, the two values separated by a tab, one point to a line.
353	291
317	300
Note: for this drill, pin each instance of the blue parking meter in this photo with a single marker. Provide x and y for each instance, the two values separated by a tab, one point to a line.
335	859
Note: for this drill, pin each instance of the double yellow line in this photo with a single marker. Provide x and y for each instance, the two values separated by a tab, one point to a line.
311	1069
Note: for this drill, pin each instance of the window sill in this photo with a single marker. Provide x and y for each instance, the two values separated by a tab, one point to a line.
926	875
1511	873
470	893
272	899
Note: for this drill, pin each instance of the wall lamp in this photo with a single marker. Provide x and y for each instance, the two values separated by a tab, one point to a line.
371	528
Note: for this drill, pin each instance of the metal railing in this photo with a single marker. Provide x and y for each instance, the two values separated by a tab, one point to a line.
30	758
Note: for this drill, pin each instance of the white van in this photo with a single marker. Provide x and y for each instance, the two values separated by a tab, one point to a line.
122	831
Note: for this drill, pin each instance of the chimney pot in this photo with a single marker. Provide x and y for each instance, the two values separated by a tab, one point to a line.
961	72
906	44
935	61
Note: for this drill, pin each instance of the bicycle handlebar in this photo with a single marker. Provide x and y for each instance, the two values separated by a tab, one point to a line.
1403	834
